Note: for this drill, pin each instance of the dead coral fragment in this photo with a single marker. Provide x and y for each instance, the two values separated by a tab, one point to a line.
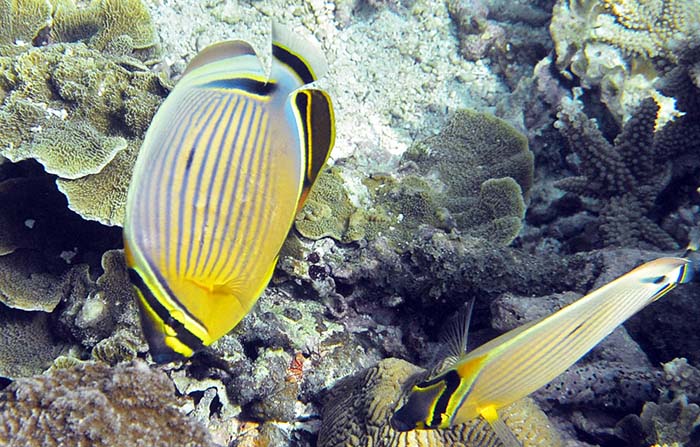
359	407
92	404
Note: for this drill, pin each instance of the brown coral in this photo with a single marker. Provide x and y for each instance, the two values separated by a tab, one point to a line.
95	405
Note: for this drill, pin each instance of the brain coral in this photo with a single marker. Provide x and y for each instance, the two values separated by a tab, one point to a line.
22	20
94	405
80	114
358	409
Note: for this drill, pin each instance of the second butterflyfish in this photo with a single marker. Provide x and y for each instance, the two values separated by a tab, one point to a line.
513	365
226	164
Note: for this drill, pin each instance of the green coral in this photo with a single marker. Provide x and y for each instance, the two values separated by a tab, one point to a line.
357	411
22	20
105	24
82	115
468	154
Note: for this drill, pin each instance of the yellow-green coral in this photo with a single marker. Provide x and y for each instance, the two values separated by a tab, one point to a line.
358	409
21	20
104	23
327	210
69	149
75	111
469	153
102	196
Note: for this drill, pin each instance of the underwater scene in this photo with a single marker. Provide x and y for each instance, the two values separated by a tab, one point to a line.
349	223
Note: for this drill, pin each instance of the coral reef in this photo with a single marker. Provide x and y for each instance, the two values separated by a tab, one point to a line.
512	34
358	408
75	111
93	404
470	152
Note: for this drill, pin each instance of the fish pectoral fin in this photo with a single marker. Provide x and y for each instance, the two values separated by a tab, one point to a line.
219	51
504	433
314	114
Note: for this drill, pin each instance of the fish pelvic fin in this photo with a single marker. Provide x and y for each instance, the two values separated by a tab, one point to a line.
302	56
504	433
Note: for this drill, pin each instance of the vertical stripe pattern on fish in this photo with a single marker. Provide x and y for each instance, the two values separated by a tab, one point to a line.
224	167
519	362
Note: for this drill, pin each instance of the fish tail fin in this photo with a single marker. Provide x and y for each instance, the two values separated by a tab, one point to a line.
302	56
504	433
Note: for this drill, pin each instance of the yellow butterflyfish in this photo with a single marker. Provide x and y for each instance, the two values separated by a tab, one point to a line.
226	163
513	365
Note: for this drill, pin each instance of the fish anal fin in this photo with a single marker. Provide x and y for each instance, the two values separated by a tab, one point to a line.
504	433
220	51
315	117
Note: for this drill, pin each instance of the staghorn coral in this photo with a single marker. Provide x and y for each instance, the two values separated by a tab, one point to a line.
82	115
27	346
358	408
625	177
93	404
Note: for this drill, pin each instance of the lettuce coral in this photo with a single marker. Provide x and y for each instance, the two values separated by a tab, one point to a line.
22	20
76	111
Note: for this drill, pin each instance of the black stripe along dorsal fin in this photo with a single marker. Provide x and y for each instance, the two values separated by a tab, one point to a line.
315	116
302	56
219	51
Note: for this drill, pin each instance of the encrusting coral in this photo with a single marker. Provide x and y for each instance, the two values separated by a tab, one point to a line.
358	408
93	404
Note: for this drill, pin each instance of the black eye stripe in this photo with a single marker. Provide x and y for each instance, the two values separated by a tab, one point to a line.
451	380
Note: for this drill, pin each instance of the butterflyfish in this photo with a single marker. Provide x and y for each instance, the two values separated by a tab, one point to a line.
513	365
226	163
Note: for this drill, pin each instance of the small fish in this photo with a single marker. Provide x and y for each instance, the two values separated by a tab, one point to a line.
225	165
520	361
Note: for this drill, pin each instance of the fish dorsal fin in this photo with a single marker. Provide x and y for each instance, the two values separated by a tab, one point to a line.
220	51
303	57
314	114
454	338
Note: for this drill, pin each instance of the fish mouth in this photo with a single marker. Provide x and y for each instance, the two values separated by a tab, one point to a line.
399	424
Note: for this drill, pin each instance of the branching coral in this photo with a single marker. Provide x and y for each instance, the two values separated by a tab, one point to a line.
619	45
358	409
626	176
92	404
